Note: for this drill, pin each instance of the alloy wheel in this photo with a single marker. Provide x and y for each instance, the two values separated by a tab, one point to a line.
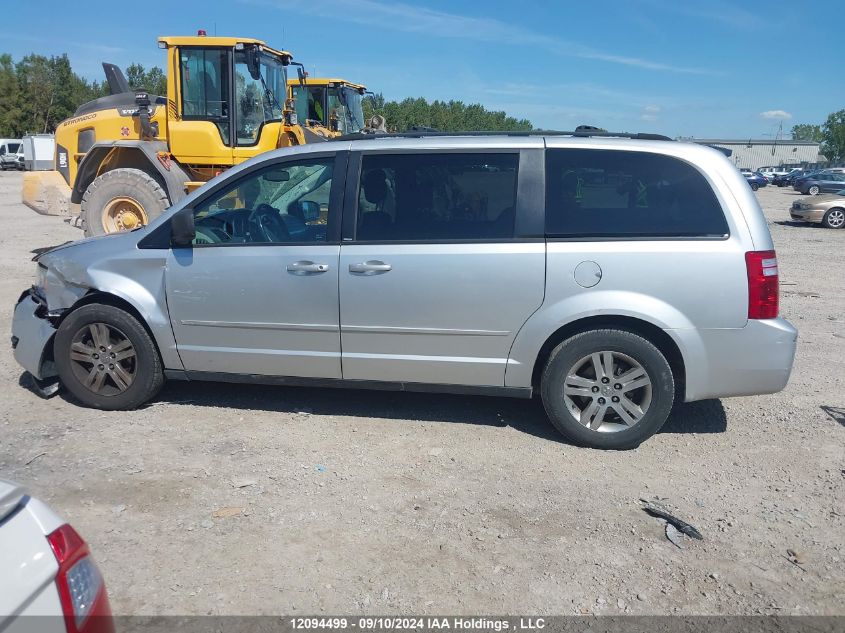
835	218
103	359
607	391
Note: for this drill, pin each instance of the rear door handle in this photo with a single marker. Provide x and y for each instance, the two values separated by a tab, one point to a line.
372	267
306	267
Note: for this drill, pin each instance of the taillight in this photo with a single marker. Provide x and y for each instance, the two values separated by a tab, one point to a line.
762	268
82	592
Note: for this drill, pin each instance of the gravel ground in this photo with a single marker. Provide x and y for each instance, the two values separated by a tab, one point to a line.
239	499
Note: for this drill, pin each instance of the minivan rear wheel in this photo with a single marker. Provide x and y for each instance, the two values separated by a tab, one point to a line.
106	359
607	389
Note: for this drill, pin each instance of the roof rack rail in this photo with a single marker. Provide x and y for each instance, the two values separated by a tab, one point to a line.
426	133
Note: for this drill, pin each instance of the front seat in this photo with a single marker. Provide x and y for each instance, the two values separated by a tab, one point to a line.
375	225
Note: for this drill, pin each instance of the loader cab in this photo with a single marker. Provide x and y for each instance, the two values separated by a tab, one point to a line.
333	104
226	99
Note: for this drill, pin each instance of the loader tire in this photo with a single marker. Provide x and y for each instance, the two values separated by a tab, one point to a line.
122	200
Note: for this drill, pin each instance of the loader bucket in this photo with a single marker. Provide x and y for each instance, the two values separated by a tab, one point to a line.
46	192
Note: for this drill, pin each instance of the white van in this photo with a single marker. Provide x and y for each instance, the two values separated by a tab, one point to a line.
11	154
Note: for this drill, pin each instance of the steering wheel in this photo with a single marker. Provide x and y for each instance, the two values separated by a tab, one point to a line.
269	224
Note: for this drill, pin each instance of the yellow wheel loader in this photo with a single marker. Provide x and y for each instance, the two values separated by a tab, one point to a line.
331	107
126	157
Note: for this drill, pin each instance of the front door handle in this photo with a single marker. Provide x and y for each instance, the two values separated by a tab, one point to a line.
372	267
306	267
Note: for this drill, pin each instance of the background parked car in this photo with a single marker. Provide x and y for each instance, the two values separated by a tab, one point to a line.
828	210
787	179
773	172
809	173
47	571
755	180
821	182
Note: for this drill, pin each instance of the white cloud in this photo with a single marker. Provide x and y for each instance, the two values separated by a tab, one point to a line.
399	16
650	113
726	13
776	114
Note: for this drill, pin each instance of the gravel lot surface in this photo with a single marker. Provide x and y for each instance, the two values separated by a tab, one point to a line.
239	499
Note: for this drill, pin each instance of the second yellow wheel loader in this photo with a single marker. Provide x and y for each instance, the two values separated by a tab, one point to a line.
331	107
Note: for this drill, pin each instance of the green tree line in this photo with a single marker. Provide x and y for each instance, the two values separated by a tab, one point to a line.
831	135
38	92
445	116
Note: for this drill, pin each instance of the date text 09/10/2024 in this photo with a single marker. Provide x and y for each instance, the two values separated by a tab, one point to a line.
418	623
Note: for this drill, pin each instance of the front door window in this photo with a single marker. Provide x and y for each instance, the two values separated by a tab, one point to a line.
280	204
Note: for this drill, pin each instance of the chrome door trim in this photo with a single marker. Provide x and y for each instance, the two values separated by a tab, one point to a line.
309	327
377	329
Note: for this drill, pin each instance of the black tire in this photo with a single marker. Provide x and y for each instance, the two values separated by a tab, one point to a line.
814	190
754	186
134	184
833	219
565	356
148	374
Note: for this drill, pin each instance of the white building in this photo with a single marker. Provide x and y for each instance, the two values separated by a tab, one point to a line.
756	153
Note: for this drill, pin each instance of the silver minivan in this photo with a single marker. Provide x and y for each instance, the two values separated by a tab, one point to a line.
610	275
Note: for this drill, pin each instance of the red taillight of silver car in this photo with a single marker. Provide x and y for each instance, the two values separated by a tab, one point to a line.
763	285
82	592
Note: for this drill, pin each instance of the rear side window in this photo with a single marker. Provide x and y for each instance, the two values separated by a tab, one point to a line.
608	193
430	196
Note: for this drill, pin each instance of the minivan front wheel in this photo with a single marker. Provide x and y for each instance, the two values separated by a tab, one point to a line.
607	389
106	359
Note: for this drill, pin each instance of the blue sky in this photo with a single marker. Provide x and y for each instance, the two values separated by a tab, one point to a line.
693	68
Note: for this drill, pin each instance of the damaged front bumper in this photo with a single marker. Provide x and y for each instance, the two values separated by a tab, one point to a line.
32	335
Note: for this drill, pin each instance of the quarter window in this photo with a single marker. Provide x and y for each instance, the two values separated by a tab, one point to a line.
607	193
280	204
429	196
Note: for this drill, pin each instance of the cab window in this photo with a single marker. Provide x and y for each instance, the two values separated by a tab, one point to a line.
280	204
310	103
205	86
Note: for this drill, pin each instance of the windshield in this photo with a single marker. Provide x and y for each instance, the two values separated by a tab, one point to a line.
345	106
258	100
14	148
354	109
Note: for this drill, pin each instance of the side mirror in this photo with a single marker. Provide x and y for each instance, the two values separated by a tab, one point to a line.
182	231
252	63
